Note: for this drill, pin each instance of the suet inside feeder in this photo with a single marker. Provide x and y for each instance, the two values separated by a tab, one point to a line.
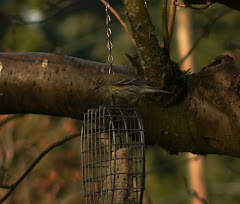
113	156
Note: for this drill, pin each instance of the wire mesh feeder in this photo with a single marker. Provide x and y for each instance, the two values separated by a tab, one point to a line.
113	156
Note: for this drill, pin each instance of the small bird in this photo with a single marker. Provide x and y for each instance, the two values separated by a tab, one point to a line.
134	87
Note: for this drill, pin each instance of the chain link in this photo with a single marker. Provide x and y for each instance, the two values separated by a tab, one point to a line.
109	33
146	3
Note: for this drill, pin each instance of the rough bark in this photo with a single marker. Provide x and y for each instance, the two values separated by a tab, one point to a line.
207	116
66	87
204	121
154	60
157	66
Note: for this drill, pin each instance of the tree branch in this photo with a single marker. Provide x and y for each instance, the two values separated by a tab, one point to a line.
10	118
208	115
234	4
2	164
171	19
205	118
30	85
192	193
156	64
205	32
164	15
34	163
153	59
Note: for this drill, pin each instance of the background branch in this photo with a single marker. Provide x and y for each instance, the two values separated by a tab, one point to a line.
205	32
164	15
2	164
10	118
171	21
12	187
171	18
193	193
234	4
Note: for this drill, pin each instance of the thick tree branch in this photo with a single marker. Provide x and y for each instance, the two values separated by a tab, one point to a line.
65	86
153	59
157	66
204	121
208	116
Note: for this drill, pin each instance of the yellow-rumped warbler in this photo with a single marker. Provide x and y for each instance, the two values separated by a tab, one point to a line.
134	88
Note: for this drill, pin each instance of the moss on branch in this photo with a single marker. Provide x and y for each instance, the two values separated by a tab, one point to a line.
156	64
153	59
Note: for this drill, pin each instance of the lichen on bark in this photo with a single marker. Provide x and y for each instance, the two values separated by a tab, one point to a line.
156	63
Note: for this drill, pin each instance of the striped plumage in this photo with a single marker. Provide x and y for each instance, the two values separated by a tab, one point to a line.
134	88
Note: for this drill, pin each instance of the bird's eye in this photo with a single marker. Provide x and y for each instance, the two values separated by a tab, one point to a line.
100	83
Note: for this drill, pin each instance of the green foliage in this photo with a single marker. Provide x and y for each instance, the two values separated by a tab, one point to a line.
25	39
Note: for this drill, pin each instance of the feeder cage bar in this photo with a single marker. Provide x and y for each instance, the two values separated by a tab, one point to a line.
113	156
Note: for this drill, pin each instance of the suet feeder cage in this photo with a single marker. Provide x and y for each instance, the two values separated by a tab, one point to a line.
113	156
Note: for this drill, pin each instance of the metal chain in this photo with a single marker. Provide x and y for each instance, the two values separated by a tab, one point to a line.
109	33
146	3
